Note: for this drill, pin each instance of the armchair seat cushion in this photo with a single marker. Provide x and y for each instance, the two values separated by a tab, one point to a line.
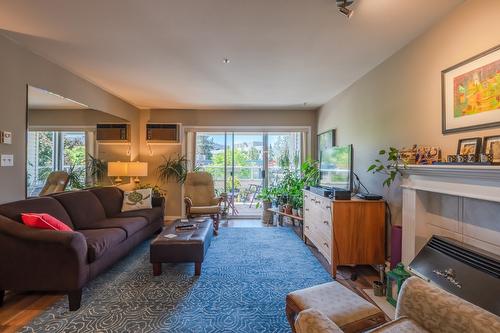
335	301
101	240
204	210
400	325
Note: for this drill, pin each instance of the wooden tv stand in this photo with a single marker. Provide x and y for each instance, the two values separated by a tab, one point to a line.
345	232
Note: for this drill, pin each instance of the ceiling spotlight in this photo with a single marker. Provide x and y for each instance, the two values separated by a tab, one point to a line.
343	7
226	60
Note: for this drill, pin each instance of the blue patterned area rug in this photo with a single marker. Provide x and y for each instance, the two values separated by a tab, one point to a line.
245	277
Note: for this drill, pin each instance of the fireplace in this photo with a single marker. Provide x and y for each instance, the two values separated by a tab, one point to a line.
461	269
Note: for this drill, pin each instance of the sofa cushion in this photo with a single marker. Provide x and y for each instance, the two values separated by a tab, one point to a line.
99	241
111	199
152	215
128	224
43	221
48	205
83	207
137	199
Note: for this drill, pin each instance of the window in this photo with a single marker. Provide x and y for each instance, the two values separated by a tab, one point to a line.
53	151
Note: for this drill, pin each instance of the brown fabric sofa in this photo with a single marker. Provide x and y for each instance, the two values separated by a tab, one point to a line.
47	260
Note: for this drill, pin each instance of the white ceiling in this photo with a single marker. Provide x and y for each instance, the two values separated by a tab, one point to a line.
40	99
168	53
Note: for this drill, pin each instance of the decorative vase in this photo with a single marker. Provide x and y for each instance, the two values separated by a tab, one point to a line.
300	212
288	209
281	209
295	212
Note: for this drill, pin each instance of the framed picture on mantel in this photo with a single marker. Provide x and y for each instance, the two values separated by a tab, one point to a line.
471	93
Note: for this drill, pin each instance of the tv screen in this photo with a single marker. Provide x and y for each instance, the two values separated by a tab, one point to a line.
336	167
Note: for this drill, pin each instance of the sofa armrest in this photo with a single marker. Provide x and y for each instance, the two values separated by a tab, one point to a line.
433	308
158	202
314	321
35	259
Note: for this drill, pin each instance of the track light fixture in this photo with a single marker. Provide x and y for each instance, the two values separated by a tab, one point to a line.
343	7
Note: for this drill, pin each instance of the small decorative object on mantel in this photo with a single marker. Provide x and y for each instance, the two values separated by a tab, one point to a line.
408	155
428	155
471	93
470	146
491	148
395	279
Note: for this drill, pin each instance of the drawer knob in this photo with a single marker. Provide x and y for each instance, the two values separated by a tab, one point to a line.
326	222
325	244
307	227
328	207
307	209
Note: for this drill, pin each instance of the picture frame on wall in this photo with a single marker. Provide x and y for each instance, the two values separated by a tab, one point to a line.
470	93
326	140
470	146
491	145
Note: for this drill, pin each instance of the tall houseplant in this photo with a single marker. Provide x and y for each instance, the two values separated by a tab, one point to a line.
173	168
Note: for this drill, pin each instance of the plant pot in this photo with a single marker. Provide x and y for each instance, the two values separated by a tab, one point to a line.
300	212
288	209
281	209
378	288
266	216
295	212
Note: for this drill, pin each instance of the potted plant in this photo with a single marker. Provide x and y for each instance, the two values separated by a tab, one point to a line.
266	195
391	168
173	167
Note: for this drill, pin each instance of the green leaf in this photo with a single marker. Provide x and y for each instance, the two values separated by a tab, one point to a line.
381	152
380	168
371	167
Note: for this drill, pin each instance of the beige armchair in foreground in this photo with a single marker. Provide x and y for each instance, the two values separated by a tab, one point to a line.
200	197
422	307
56	182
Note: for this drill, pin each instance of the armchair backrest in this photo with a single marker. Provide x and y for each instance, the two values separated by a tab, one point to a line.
56	182
199	187
441	312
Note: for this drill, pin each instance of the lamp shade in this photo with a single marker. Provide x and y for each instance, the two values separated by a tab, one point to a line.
137	169
117	169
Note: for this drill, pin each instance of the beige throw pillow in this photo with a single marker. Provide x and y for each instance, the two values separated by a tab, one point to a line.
137	199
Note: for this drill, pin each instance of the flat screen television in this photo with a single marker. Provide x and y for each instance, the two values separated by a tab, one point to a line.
335	168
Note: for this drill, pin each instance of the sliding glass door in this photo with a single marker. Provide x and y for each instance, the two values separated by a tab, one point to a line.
242	163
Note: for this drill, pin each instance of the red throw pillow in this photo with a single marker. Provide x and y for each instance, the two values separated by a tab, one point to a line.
44	221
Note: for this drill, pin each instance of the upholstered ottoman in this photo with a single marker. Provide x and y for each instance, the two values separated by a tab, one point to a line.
346	309
187	246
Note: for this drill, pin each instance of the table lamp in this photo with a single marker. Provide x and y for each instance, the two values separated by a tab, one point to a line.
137	169
117	169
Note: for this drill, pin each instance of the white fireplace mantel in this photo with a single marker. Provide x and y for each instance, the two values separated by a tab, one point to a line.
470	181
457	201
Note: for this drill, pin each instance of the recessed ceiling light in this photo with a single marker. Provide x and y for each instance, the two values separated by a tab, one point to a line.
226	60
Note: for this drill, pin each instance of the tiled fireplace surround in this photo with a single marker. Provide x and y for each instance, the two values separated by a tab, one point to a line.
459	202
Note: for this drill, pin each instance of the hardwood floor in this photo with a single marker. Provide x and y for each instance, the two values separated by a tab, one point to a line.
20	308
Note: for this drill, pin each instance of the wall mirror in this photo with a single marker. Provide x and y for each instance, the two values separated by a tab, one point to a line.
62	150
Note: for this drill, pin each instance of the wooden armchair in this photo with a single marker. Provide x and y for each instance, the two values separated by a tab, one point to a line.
200	198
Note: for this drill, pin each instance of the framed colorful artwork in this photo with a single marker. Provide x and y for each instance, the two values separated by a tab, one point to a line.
471	93
325	140
491	145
